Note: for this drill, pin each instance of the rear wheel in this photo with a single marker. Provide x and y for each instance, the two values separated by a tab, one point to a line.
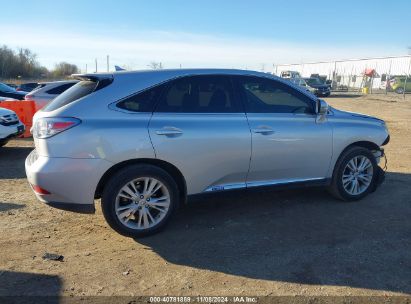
139	200
355	174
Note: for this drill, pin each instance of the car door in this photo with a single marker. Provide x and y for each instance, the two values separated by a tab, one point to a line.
199	126
289	143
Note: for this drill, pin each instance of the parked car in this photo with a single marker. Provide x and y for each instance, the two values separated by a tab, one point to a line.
302	83
27	87
321	78
47	91
144	141
12	85
290	74
10	126
6	91
398	84
320	88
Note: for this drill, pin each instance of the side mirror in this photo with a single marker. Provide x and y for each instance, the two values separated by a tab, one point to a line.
322	107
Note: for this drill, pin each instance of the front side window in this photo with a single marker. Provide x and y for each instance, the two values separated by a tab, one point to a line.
270	96
199	94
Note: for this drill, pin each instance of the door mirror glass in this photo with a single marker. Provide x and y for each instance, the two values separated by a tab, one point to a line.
322	107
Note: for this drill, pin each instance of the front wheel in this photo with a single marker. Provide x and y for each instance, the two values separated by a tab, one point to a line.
399	90
139	200
355	174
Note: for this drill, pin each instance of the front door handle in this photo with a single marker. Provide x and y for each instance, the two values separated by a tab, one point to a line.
264	130
169	131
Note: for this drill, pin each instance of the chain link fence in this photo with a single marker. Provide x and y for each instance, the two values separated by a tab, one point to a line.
370	75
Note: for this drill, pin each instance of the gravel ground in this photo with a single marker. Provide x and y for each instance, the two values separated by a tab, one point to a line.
295	242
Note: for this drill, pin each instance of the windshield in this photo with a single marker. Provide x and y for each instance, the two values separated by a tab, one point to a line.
314	81
299	81
6	88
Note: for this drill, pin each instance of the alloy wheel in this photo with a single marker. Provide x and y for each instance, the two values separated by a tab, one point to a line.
357	175
142	203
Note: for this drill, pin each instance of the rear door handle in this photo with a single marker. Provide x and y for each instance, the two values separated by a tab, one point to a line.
169	131
264	130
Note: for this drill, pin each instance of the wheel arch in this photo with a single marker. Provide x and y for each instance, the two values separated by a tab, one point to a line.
166	166
363	143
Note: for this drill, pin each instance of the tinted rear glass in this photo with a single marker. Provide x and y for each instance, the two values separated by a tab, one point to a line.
199	94
142	102
60	89
77	91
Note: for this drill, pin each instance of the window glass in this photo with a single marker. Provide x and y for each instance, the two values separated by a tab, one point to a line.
79	90
60	89
142	102
270	96
199	94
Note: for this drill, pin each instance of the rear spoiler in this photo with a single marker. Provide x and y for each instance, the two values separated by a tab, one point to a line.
102	80
92	77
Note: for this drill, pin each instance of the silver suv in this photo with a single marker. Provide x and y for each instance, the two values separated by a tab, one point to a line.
144	141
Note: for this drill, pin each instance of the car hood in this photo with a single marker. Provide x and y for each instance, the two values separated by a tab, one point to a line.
351	115
4	111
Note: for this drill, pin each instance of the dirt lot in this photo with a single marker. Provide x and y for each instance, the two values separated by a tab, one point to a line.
299	242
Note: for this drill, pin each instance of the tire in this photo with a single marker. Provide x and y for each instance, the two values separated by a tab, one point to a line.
399	90
342	168
116	202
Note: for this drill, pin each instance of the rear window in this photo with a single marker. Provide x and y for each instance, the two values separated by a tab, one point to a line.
77	91
60	89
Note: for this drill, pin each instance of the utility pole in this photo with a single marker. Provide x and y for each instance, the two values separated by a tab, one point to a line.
96	65
86	68
387	78
406	78
108	63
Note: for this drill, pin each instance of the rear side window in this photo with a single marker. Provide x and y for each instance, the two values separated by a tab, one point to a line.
60	89
77	91
142	102
199	94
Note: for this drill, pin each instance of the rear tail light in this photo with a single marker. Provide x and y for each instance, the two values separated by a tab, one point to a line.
50	126
28	97
40	190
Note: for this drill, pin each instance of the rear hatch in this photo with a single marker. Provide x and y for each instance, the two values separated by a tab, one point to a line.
48	122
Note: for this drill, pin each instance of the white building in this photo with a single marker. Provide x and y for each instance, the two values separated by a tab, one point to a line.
350	72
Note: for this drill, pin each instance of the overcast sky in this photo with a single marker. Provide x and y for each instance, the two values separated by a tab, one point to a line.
240	34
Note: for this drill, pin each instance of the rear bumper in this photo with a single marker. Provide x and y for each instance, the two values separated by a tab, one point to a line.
70	183
78	208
